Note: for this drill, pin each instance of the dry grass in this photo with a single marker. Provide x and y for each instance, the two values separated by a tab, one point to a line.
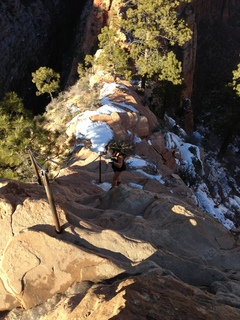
77	99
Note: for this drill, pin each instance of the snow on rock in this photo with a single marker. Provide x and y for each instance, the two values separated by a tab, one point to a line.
189	153
119	119
98	132
207	204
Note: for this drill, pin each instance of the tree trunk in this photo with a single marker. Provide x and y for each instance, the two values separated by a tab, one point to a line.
143	83
225	144
228	138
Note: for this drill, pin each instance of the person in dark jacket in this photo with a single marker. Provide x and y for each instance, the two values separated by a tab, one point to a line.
118	166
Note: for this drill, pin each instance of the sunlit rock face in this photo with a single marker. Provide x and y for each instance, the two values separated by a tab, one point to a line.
142	250
132	247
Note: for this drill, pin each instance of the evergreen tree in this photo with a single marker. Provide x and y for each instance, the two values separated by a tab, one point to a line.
236	80
12	106
153	28
15	126
46	80
113	57
19	130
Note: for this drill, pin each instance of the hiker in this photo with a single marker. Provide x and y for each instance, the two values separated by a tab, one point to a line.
118	166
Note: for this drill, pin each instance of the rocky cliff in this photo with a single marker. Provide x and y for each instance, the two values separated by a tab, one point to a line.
142	250
217	53
225	12
205	57
34	34
38	33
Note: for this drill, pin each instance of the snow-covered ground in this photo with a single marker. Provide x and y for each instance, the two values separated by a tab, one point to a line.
100	134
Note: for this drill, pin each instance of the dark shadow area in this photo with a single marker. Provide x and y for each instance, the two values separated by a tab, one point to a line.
74	239
51	44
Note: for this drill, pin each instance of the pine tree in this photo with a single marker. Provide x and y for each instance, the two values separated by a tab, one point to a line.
46	80
236	80
113	57
18	130
15	124
153	28
12	106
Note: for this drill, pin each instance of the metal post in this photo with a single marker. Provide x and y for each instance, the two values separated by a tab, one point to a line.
35	168
100	169
51	201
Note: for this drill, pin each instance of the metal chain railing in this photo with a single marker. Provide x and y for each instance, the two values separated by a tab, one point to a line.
42	179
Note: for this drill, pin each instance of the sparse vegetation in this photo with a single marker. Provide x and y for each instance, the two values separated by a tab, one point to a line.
125	49
20	130
46	80
143	39
113	56
236	80
45	134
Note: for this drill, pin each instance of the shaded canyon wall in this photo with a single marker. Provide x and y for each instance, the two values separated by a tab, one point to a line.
37	33
33	34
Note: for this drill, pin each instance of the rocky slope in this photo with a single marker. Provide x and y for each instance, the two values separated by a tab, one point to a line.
130	252
137	253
